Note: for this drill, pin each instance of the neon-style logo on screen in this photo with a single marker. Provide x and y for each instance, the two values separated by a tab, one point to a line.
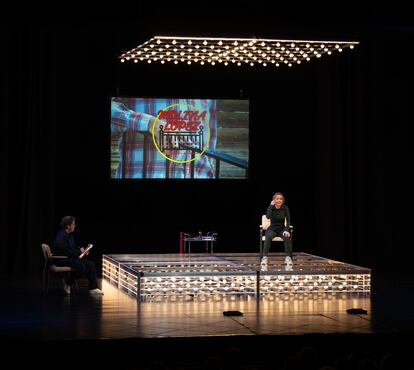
181	128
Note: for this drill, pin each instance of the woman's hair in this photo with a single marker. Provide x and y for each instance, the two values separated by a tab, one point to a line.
66	221
279	193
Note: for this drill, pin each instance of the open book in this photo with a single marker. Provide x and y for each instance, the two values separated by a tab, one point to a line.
86	250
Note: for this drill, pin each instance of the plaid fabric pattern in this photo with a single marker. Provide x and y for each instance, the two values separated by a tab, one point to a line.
131	116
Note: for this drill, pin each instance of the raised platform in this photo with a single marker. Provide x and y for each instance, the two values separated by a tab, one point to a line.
204	276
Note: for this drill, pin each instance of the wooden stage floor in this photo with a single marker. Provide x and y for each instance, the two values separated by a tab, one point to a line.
119	324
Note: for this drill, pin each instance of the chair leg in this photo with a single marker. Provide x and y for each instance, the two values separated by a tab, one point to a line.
75	280
261	244
47	281
43	278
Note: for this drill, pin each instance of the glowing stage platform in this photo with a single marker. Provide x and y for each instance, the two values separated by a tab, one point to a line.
205	275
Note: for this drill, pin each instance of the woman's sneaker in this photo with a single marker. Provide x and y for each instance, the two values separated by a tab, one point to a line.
263	264
288	260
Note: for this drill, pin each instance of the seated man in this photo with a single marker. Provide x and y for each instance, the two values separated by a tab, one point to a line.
64	245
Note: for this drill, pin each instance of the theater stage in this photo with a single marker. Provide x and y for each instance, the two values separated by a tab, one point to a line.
120	323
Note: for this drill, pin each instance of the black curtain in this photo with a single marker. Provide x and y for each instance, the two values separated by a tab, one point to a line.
363	152
28	144
343	122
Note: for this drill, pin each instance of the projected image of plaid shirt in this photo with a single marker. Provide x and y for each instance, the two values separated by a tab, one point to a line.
132	120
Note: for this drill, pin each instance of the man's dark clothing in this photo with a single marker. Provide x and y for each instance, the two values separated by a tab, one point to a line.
64	245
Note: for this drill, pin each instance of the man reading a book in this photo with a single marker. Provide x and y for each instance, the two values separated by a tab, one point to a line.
64	245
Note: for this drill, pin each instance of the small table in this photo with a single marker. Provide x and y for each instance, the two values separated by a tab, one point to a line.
208	239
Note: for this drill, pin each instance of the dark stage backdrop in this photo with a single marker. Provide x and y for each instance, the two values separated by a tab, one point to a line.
332	135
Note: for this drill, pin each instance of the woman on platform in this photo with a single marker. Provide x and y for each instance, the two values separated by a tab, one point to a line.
279	215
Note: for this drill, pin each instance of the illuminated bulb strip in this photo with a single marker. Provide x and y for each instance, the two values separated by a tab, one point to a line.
181	285
238	285
197	50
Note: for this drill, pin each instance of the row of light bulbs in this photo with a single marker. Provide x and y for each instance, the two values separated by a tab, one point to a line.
225	279
113	271
166	289
231	51
128	275
159	289
246	280
213	286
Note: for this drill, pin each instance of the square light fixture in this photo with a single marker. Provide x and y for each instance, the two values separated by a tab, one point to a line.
227	51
